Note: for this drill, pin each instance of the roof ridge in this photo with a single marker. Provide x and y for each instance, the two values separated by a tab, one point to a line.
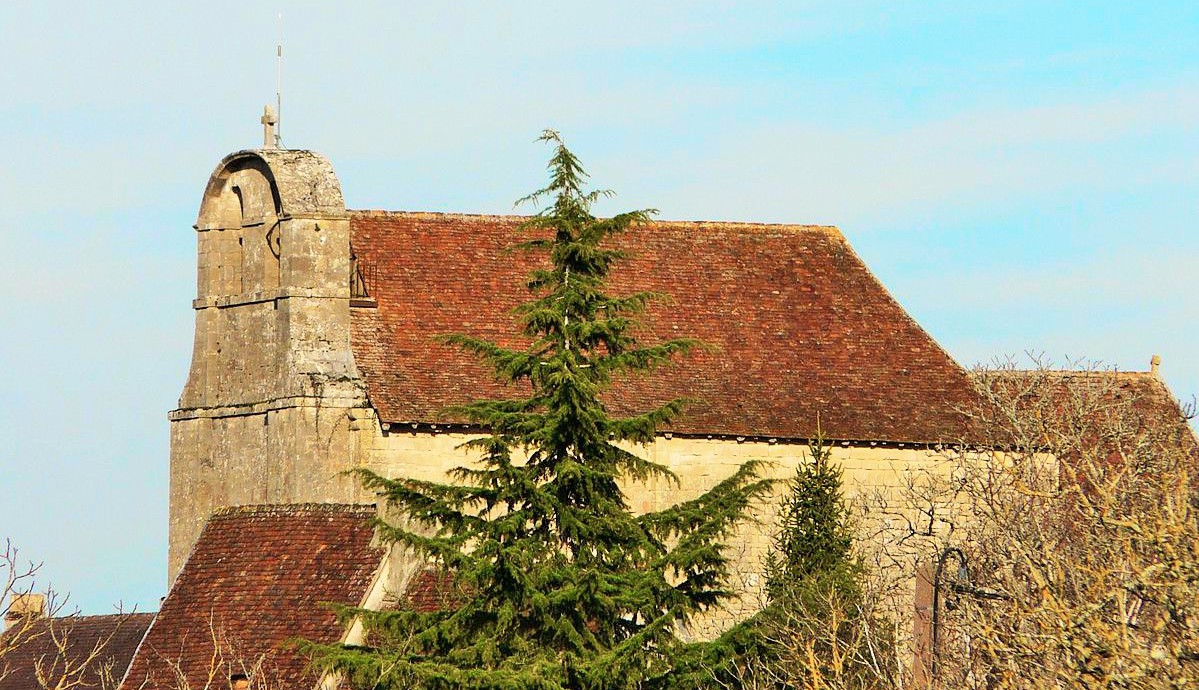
492	217
1068	372
97	616
293	509
92	616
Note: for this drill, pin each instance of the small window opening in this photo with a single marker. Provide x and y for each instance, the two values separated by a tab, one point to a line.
241	205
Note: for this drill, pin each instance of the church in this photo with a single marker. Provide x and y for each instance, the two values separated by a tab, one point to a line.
315	346
315	352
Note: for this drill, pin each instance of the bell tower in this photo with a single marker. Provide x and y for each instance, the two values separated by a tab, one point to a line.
265	415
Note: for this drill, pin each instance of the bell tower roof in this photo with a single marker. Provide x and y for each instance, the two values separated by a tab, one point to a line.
302	183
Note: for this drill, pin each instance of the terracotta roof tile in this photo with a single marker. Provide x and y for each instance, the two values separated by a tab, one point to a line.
257	578
1150	401
431	590
802	326
76	651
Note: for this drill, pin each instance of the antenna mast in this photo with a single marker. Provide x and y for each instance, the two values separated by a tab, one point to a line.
279	86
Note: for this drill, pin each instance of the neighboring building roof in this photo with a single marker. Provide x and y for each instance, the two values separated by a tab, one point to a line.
1061	405
1148	393
801	325
1140	397
70	651
259	577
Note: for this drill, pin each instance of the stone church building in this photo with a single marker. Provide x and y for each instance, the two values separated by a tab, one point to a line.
315	347
315	352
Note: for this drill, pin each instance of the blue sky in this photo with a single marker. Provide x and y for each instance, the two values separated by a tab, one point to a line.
1022	177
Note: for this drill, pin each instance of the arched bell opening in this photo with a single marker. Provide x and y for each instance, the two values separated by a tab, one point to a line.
239	235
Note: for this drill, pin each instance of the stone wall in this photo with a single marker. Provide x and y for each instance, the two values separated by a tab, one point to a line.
872	475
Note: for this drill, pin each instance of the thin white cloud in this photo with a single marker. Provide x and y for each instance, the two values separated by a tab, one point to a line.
801	172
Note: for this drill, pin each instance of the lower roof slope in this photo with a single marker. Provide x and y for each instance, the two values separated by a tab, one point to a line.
70	651
801	325
258	577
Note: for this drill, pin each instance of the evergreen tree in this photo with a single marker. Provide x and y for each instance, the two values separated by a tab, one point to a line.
817	630
559	584
815	534
821	629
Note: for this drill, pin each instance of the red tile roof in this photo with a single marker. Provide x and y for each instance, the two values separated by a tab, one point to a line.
1154	400
258	578
70	651
802	326
431	590
1098	397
